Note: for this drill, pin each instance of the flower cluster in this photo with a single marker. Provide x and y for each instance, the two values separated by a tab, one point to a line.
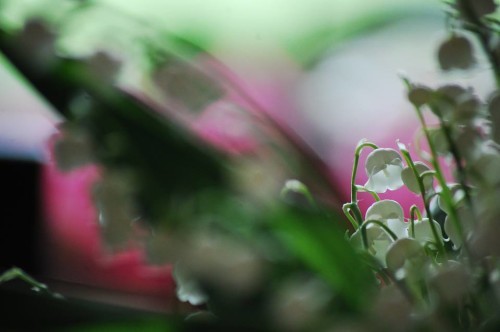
437	258
383	231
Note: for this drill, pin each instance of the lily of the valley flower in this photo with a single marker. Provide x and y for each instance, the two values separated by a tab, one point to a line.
403	250
383	167
390	213
411	182
423	231
466	222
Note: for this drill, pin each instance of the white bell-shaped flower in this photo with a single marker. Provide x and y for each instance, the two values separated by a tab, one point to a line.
423	231
411	182
485	167
383	167
457	194
373	232
377	239
401	251
391	214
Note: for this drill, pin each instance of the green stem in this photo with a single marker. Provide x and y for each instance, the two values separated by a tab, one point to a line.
300	188
381	225
414	210
375	196
347	208
354	190
445	191
462	176
437	237
17	273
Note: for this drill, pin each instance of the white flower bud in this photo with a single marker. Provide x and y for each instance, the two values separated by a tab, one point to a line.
456	53
451	283
480	7
439	141
411	182
420	95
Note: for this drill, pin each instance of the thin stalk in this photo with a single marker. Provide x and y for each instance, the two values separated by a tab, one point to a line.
462	176
347	208
375	196
437	237
381	225
445	191
414	210
354	189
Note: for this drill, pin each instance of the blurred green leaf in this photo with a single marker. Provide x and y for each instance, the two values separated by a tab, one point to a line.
319	242
26	310
151	325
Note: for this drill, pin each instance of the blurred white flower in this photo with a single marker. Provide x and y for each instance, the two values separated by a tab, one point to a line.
411	182
485	167
468	109
480	7
465	218
420	95
222	262
383	167
451	283
456	53
188	289
438	139
402	250
457	194
299	302
114	198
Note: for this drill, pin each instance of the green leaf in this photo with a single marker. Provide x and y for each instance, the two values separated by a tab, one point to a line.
319	243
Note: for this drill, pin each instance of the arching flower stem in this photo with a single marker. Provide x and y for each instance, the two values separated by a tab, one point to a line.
445	191
376	197
381	225
347	208
419	178
414	210
354	189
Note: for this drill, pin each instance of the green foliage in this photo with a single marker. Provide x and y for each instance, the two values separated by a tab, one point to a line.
319	242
